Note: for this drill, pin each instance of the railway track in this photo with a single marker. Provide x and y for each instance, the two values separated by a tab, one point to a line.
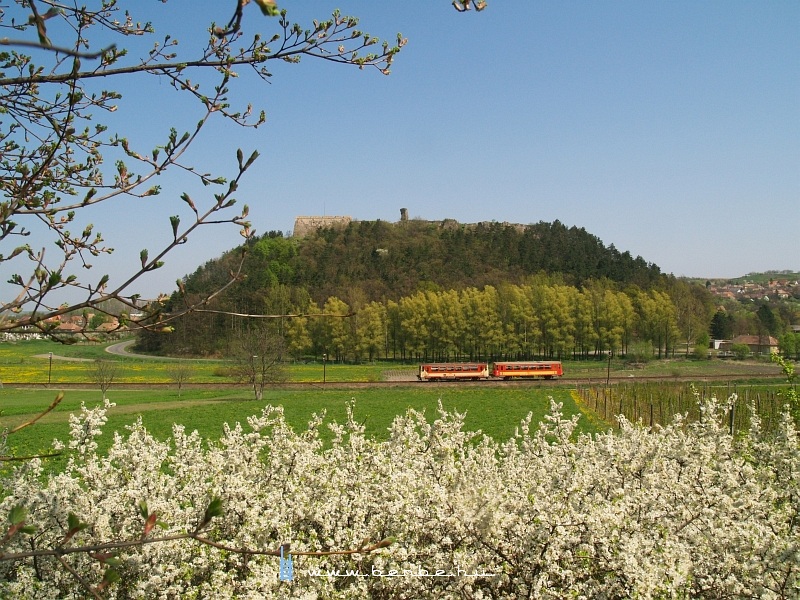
562	382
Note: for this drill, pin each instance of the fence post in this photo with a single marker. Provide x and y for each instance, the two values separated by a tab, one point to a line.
732	417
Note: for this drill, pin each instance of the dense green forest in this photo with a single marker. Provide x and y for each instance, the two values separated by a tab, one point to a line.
441	290
387	261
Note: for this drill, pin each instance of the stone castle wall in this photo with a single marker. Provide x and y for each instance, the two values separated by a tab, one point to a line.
305	225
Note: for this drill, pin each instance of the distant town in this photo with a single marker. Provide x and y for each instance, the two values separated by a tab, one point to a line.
777	288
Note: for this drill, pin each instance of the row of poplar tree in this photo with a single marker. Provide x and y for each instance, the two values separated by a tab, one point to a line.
541	318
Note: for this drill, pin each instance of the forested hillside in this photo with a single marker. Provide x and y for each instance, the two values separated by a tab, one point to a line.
387	261
372	272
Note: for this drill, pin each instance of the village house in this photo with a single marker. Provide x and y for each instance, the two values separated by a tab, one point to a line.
758	344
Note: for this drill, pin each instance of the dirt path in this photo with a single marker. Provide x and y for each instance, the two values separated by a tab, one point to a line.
64	358
125	409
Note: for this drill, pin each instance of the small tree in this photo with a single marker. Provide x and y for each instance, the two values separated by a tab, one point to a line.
179	373
740	351
789	345
103	373
640	351
258	355
791	394
701	345
722	325
96	321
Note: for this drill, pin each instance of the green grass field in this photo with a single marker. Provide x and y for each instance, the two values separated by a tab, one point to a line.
29	362
495	412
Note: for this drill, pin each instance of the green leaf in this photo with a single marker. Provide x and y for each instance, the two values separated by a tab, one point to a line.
185	197
251	160
113	562
75	525
175	221
387	542
110	576
214	508
73	521
18	514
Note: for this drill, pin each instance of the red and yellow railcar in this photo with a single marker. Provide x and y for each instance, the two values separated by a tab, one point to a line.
453	371
534	369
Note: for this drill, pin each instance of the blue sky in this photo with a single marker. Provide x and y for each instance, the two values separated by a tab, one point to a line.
669	129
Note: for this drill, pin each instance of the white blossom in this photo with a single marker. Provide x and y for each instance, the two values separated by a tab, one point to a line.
680	511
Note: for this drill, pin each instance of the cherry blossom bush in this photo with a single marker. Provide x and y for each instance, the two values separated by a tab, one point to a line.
684	511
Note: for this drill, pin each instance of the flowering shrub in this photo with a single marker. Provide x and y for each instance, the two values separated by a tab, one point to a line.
680	511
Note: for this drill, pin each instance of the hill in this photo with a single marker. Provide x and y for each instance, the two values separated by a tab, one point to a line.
390	260
767	277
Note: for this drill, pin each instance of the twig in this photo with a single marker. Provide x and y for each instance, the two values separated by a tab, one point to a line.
59	397
60	49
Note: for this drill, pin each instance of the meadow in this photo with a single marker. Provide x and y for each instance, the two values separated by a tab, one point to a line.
495	412
29	362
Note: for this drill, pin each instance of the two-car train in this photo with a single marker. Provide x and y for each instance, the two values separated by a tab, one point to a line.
471	371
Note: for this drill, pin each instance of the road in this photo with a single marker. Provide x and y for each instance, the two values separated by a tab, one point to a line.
121	349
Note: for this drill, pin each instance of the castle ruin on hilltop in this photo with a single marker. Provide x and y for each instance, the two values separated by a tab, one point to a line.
305	225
